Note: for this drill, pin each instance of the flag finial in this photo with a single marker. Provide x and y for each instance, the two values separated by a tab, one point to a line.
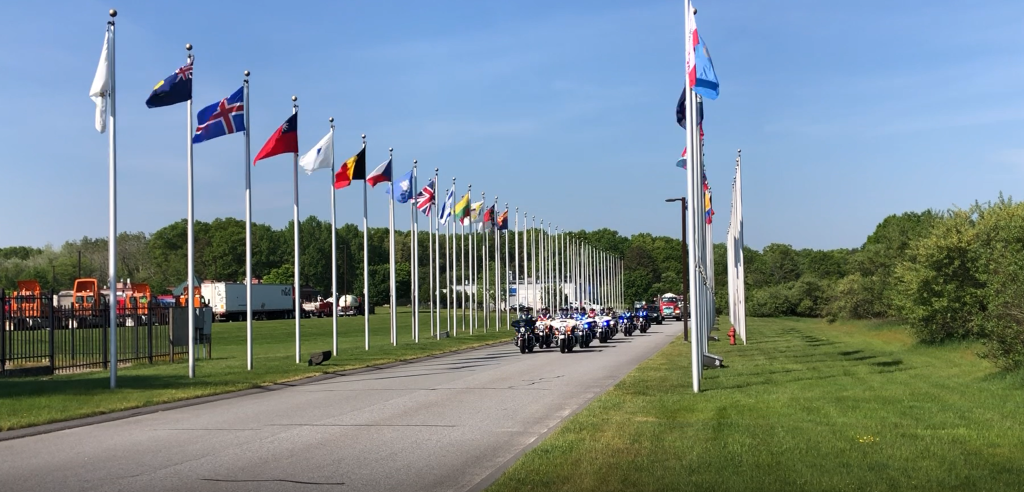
113	13
188	46
294	98
330	120
246	73
391	149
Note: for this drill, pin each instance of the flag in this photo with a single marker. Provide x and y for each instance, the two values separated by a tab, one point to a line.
320	156
101	85
503	221
284	140
487	219
475	217
706	80
681	111
176	88
425	198
352	169
447	206
708	211
221	118
692	38
462	209
380	175
682	161
404	187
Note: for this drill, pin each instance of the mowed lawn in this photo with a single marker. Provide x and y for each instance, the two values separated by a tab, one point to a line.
32	401
805	406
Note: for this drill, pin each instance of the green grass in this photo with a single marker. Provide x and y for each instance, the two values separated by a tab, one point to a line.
26	402
805	406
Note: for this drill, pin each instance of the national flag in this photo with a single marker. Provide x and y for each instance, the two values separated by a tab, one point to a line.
380	175
708	211
475	217
462	209
447	206
321	156
284	140
352	169
425	198
221	118
681	111
503	221
706	82
176	88
100	90
692	38
404	188
682	161
489	215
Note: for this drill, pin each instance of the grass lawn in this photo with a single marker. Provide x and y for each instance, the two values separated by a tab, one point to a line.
26	402
805	406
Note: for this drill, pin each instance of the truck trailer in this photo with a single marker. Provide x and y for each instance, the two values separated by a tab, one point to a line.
269	301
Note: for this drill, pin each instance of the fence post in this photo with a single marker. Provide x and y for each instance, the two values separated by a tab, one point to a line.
105	331
3	331
53	332
149	329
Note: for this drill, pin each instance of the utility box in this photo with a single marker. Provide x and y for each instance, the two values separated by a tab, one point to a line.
179	326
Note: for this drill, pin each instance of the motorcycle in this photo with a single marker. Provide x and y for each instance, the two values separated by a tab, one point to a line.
643	324
588	330
605	328
625	323
545	334
568	336
526	338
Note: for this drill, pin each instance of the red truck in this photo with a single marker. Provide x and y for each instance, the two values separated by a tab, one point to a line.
671	306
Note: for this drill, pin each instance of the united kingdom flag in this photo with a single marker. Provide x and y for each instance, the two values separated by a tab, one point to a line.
425	198
221	118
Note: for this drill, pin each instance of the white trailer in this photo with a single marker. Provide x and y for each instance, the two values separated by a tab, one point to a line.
269	301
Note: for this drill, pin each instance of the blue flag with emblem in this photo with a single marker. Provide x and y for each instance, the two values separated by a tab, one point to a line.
176	88
221	118
404	188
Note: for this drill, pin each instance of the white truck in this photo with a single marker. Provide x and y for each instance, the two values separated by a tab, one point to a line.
269	301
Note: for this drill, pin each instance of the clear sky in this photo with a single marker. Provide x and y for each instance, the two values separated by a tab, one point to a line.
845	111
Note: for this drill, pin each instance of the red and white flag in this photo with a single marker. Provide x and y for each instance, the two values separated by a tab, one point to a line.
691	44
425	198
380	175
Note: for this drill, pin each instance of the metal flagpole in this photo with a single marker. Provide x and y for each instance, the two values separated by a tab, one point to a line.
415	255
543	266
450	233
508	299
366	263
741	277
533	260
112	241
497	267
191	252
298	286
516	258
391	250
334	249
430	271
248	233
462	263
692	179
437	256
485	260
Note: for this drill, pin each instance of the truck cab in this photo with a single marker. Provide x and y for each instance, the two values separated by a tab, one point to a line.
671	307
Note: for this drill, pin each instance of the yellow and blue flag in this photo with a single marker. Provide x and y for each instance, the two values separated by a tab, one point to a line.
174	89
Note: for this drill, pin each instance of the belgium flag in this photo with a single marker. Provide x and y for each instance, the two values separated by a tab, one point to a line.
352	169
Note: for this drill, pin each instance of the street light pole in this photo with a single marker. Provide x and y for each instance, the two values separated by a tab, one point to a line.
686	273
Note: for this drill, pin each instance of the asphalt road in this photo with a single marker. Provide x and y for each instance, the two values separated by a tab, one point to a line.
449	424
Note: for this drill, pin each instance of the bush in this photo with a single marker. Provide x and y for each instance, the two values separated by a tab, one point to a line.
1001	247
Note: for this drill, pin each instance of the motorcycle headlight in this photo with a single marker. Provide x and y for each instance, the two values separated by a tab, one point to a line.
522	330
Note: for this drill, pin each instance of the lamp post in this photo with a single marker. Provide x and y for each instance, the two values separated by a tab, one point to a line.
686	273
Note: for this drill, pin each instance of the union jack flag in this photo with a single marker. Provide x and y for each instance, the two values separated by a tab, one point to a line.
425	198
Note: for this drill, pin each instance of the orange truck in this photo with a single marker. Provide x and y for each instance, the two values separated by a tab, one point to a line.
27	310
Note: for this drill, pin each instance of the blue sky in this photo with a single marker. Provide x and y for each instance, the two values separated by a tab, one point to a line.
845	112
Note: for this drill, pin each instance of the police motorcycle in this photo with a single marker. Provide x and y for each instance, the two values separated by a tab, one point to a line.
605	327
588	328
566	328
545	331
614	321
626	322
526	337
643	322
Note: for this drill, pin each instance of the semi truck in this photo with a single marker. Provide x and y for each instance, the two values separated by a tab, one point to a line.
269	301
670	307
27	311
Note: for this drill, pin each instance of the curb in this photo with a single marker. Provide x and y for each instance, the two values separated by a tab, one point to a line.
162	407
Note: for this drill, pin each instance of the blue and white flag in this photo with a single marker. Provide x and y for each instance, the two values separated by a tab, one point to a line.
221	118
447	207
404	188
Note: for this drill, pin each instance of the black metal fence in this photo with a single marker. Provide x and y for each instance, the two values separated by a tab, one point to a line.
38	333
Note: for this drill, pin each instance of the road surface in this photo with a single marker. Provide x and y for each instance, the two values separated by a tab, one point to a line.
450	423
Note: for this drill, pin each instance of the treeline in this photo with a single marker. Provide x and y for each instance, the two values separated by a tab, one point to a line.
950	275
159	259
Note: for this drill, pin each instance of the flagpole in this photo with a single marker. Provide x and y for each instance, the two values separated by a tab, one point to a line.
451	232
508	299
366	262
516	257
391	251
741	277
248	233
557	278
469	194
437	255
415	255
533	264
334	250
497	265
485	259
691	230
191	248
295	218
430	269
112	241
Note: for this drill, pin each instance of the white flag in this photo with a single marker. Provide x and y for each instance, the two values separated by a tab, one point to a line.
101	86
321	156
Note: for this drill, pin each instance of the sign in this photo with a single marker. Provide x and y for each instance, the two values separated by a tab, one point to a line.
512	291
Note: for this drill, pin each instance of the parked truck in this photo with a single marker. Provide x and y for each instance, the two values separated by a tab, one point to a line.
320	308
269	301
27	311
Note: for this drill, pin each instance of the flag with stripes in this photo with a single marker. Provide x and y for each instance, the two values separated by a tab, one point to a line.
447	207
425	198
